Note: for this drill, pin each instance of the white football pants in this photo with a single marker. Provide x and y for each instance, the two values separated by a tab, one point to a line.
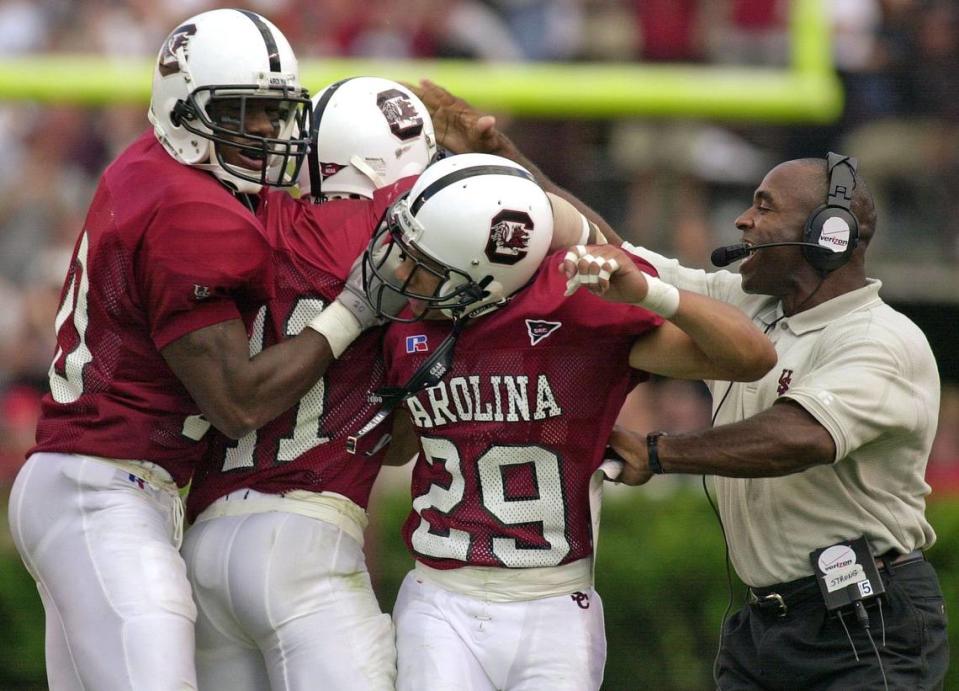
100	544
447	641
285	603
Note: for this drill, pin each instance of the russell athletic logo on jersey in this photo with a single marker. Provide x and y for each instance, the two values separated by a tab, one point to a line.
490	398
180	38
509	237
538	329
417	344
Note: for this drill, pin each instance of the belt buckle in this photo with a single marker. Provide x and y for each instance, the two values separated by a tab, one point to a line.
769	601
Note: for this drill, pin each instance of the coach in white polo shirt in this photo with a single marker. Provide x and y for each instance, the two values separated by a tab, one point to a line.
828	447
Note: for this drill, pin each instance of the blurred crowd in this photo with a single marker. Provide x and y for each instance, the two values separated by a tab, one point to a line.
673	185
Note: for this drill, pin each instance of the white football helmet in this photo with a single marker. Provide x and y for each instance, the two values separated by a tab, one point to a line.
212	73
483	219
370	132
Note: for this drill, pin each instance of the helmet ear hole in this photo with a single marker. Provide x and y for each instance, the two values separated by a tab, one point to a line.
485	220
181	111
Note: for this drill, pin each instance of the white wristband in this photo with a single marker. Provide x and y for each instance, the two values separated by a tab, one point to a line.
661	297
599	238
584	234
338	325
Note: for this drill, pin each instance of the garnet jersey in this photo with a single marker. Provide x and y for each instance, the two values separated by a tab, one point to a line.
305	447
165	250
513	433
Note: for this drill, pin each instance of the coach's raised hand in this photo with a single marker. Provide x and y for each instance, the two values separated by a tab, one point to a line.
459	127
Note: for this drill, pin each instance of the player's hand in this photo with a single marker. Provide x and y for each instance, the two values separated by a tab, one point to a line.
458	126
604	270
391	302
631	446
354	297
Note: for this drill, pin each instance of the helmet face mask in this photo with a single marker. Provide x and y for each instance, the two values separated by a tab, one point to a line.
227	118
454	291
227	99
474	229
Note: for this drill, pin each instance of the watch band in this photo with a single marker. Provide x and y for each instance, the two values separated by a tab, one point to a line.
652	452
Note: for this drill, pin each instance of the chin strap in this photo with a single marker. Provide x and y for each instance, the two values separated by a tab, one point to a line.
428	374
368	171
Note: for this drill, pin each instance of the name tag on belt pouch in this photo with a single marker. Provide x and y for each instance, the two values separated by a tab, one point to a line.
846	572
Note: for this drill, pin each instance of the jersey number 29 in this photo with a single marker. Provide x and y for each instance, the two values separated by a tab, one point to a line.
547	509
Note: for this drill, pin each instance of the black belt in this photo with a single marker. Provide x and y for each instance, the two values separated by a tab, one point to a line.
777	599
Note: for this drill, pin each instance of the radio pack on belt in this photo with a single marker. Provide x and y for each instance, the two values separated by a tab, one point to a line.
846	573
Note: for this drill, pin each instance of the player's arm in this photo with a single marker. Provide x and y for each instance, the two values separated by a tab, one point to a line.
705	339
238	393
779	441
404	444
702	339
460	128
570	226
235	392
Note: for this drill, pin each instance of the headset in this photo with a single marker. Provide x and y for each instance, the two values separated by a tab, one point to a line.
830	226
833	224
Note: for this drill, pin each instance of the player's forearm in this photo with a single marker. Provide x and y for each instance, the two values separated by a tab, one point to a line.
504	146
238	393
404	444
277	378
726	337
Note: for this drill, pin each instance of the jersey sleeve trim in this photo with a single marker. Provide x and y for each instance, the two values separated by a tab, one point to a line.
202	316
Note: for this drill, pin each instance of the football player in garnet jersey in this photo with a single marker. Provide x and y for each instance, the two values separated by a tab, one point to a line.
153	347
275	555
512	379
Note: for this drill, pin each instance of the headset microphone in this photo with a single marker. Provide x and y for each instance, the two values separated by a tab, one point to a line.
725	256
831	232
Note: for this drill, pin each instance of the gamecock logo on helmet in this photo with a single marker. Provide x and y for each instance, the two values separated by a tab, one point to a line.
399	112
180	38
509	237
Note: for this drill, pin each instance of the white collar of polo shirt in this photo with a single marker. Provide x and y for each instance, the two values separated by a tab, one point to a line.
822	315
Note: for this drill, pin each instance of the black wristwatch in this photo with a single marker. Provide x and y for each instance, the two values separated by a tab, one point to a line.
652	451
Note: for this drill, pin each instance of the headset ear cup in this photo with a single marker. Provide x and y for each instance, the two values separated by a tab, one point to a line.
845	232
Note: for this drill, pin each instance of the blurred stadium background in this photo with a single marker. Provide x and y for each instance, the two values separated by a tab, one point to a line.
663	114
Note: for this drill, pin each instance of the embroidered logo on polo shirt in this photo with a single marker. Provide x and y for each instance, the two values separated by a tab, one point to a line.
784	380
